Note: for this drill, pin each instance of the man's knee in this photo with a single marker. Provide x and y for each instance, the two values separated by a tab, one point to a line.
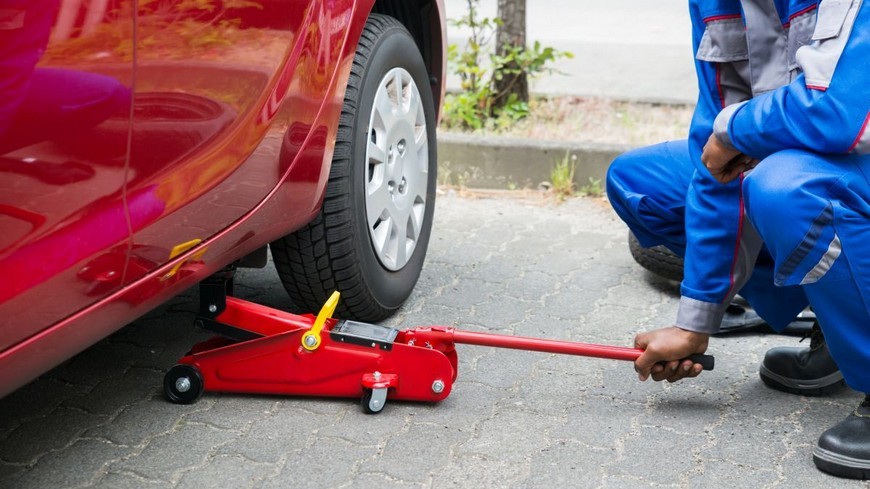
771	186
622	173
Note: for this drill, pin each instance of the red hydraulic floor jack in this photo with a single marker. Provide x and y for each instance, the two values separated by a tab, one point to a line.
267	351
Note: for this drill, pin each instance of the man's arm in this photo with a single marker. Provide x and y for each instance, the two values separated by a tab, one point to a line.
824	110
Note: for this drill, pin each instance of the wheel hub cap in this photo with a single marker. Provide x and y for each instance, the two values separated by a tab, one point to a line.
397	155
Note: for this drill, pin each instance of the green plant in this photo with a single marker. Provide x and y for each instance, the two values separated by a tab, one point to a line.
592	188
562	177
479	67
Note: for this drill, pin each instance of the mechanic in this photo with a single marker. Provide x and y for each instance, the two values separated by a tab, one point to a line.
769	197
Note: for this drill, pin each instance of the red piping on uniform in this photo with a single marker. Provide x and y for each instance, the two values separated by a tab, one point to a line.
722	17
798	14
817	87
737	242
860	133
719	84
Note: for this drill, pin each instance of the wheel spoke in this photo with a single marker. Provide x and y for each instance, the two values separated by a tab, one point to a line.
414	107
398	92
378	202
384	107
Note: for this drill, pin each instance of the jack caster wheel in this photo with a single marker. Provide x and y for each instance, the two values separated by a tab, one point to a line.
183	384
373	400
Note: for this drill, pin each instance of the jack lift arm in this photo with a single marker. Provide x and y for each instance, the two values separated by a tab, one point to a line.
267	351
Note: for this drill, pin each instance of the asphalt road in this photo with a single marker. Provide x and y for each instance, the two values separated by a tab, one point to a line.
511	264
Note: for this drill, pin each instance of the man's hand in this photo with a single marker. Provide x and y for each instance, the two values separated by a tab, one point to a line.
723	162
666	351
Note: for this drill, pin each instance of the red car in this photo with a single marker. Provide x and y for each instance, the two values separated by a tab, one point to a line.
145	146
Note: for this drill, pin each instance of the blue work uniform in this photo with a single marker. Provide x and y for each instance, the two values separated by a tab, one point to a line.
787	83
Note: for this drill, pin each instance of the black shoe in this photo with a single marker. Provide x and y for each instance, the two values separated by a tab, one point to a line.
844	450
805	371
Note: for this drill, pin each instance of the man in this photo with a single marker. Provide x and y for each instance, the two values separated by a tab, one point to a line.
785	93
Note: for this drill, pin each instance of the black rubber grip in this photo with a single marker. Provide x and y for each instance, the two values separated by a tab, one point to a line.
707	361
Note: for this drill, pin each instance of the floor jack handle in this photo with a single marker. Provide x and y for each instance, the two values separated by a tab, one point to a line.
563	347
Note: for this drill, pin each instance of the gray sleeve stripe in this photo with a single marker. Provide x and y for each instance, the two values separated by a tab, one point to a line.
862	142
723	120
826	262
699	316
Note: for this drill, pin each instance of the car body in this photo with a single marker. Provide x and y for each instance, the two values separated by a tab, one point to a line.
145	146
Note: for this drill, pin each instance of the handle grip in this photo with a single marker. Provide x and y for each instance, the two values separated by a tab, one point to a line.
707	361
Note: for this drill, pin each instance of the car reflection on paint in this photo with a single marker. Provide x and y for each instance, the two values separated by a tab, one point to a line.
147	145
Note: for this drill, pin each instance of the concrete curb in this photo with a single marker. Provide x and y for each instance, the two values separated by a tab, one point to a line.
497	162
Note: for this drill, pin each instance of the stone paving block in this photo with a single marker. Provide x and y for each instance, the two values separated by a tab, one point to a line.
474	470
34	400
112	394
499	312
498	269
329	462
114	480
231	411
509	435
364	429
635	457
167	455
89	457
467	405
732	438
9	473
501	368
566	464
624	481
544	327
273	436
101	362
225	471
685	411
608	320
141	421
465	294
571	302
36	437
734	475
530	287
599	423
552	392
382	481
427	447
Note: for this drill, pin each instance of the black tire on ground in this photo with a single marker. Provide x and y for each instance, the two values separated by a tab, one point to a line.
336	250
658	259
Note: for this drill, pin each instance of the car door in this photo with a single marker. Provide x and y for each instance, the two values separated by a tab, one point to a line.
64	125
211	115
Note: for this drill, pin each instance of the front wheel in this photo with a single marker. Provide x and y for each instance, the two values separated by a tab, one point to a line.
370	239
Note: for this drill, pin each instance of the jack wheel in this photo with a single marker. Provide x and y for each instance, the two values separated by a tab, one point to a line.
183	384
371	404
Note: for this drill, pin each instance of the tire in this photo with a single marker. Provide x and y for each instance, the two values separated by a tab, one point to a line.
658	259
370	239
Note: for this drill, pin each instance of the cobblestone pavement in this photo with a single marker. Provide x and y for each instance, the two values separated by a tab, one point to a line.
515	419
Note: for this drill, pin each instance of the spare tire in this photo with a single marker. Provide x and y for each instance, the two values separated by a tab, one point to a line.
658	259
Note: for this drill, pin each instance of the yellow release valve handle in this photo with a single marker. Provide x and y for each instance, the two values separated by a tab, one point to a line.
311	338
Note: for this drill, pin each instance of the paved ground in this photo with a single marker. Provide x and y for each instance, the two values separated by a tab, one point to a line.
625	49
515	419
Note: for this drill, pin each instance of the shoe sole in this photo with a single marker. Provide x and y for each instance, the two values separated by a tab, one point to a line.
821	386
841	465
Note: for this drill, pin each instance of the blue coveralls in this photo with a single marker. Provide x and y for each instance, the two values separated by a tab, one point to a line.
788	83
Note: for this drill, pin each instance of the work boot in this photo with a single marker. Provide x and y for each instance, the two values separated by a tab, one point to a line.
844	450
805	371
